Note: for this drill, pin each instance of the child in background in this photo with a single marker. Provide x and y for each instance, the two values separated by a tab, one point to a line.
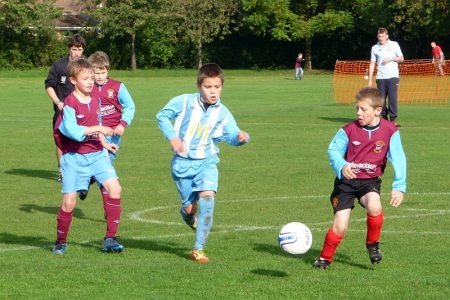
298	67
79	135
201	121
358	154
117	107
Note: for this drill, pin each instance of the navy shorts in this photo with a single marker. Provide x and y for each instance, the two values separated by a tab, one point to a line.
345	191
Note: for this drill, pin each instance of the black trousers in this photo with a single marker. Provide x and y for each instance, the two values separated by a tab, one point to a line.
389	90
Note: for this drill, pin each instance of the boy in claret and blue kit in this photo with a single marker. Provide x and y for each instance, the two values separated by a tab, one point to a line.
358	155
200	122
117	107
79	134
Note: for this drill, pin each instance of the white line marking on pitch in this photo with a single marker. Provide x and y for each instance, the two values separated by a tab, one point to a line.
137	216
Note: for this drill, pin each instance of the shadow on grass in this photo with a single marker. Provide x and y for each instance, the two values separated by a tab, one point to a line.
345	260
274	249
337	120
157	246
269	273
45	174
309	257
31	241
53	210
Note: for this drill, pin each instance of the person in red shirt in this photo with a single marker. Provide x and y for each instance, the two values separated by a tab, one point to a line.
438	57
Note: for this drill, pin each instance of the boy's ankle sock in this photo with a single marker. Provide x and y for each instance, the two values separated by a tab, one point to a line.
332	241
204	221
374	226
63	220
112	213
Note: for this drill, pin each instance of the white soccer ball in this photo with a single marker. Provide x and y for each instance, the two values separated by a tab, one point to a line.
366	77
295	238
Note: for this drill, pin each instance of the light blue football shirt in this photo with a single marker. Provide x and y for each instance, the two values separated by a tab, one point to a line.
200	129
379	53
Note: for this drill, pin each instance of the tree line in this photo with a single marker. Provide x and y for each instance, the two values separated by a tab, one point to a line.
233	33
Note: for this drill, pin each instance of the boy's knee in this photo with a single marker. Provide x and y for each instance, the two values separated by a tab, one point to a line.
114	190
340	229
375	211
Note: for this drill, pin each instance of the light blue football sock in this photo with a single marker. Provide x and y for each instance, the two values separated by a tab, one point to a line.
188	219
204	222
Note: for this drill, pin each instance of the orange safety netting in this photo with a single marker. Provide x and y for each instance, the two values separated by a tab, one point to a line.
420	81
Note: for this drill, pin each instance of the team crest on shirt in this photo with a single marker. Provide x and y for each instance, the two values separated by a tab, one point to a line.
378	146
110	93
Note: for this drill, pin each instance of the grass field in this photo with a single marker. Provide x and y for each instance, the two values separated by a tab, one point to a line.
281	176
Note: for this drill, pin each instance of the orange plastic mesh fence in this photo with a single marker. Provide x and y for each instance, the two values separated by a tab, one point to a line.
420	81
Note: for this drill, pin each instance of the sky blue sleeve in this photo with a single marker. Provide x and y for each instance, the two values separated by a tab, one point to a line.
336	152
397	157
166	115
69	125
231	130
128	107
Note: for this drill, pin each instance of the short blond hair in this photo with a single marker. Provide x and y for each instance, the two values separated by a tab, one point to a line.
78	65
373	95
99	59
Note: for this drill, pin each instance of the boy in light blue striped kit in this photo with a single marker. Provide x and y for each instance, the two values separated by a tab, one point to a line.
194	124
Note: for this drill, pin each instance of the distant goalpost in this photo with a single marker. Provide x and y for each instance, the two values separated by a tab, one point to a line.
420	82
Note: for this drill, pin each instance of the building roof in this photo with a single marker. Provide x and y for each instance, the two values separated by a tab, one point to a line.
72	7
73	18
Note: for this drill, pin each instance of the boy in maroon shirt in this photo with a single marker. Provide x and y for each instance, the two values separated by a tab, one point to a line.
79	135
358	155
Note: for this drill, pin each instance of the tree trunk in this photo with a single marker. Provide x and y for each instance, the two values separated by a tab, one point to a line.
133	52
199	55
308	53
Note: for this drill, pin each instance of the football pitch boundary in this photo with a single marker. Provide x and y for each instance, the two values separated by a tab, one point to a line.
225	229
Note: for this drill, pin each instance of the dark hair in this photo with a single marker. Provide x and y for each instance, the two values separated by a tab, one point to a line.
76	40
372	94
208	71
78	65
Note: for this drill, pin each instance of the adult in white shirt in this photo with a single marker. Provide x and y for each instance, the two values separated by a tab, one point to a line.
386	54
